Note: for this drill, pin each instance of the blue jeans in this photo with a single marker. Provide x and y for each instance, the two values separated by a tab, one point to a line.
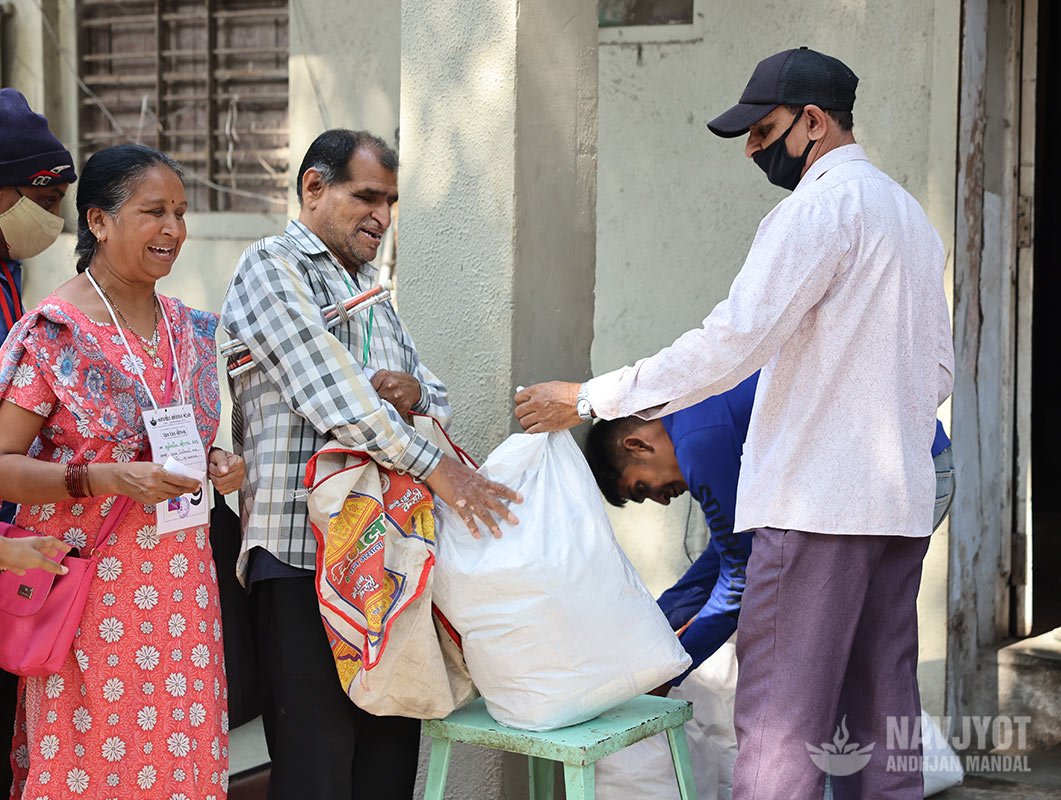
944	485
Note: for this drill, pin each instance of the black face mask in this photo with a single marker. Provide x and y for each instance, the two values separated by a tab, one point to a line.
782	169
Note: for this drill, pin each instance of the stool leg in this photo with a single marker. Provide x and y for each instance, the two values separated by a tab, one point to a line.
437	768
542	778
683	764
579	782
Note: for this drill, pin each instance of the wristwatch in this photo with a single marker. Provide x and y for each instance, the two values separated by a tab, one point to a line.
582	406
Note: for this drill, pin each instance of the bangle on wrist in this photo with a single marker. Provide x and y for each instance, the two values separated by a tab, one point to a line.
77	480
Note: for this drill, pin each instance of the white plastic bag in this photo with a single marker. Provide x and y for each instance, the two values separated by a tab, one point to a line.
645	771
557	626
942	767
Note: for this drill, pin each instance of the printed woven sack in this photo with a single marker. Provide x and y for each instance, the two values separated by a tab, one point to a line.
375	531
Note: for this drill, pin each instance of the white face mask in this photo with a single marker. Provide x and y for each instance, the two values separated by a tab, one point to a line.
28	229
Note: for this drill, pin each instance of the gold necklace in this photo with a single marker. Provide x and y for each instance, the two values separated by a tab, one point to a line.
150	345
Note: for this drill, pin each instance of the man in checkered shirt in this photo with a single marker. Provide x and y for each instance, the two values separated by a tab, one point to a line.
354	384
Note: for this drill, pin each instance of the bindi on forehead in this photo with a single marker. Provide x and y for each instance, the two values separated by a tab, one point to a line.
162	200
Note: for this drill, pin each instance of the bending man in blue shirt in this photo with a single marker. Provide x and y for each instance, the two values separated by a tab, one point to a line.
698	449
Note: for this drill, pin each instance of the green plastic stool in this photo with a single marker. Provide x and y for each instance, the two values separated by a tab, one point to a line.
578	748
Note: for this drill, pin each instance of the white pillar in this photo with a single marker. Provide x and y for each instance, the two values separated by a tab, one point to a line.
498	185
496	252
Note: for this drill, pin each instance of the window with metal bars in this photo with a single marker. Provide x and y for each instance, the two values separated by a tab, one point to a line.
203	80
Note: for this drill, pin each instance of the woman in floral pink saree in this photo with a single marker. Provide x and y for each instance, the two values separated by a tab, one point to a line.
139	707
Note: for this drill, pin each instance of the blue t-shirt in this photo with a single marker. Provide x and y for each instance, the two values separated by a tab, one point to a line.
941	442
708	441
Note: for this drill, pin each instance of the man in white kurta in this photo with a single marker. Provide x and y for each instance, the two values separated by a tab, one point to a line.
841	303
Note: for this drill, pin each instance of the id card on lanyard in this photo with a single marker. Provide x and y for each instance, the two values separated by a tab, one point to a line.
175	440
175	443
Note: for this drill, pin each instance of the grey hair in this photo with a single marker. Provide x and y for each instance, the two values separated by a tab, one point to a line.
844	120
329	176
330	155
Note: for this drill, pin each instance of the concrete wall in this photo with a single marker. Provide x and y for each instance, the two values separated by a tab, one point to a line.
344	70
677	207
497	229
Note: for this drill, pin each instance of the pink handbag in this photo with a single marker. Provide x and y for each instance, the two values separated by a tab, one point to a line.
40	612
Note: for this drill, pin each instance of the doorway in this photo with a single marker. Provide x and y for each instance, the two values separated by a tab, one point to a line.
1046	376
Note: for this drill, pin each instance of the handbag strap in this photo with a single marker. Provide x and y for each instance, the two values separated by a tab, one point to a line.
124	503
116	515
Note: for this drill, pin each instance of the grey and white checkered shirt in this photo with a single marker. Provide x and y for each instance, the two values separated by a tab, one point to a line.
309	387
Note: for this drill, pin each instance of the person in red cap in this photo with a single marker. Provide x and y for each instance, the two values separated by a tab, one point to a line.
35	171
841	303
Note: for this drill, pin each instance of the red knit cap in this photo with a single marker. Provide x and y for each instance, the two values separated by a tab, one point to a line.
30	155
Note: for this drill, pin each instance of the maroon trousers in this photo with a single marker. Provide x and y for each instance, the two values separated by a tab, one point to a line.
827	643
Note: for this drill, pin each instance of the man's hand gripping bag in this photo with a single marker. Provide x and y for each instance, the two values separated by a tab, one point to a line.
557	627
375	532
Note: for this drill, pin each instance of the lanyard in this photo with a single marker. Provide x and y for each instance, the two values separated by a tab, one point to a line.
11	316
132	359
366	327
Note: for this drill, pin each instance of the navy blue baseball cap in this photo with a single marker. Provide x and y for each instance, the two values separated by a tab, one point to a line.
30	155
792	77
